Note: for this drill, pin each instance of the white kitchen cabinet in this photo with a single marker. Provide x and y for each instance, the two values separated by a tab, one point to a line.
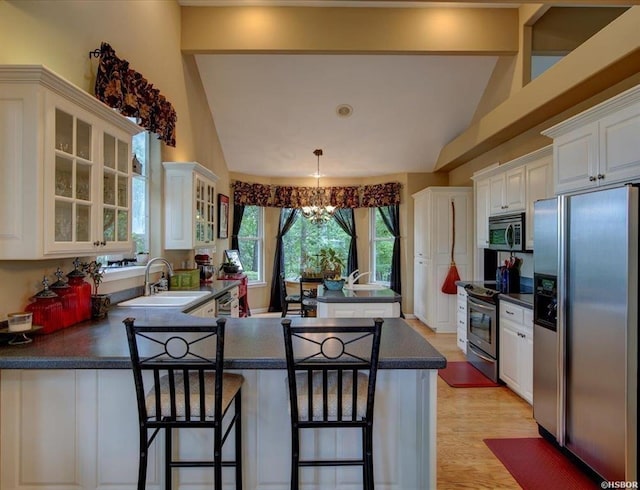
189	206
461	313
420	289
483	210
419	226
432	206
507	191
207	310
599	146
539	185
66	169
516	348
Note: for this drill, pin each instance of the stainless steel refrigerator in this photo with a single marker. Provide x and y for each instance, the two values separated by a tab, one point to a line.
597	330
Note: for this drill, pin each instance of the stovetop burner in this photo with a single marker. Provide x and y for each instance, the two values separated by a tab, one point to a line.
483	292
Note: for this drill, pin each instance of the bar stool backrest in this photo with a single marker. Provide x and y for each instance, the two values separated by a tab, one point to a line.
185	365
331	373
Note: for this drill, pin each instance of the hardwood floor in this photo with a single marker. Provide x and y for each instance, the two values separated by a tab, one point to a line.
466	416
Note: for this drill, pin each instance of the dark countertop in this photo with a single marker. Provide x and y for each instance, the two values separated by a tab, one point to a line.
384	295
522	299
250	343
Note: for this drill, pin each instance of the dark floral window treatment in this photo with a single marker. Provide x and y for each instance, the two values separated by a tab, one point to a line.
368	196
132	95
252	194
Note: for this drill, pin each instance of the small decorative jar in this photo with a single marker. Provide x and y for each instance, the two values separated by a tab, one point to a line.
47	309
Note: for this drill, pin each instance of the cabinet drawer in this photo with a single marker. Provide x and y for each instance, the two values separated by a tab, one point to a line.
461	339
512	312
462	307
461	320
462	295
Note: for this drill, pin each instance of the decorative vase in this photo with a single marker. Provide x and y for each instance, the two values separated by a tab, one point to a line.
334	284
100	306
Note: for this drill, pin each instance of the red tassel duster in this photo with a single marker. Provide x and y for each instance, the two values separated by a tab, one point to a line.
449	286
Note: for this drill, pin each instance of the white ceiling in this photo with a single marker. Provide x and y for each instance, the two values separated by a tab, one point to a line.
272	110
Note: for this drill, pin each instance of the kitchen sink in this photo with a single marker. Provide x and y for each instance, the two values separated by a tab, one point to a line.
364	287
166	298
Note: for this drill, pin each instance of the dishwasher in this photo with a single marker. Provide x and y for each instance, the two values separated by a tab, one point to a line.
228	305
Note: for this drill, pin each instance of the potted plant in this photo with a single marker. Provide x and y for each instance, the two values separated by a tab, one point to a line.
230	268
99	302
331	264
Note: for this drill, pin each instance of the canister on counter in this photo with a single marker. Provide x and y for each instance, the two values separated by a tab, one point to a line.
46	309
83	291
69	299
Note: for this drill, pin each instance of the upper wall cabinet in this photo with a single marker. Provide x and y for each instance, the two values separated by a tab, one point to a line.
65	169
507	192
600	146
189	206
512	187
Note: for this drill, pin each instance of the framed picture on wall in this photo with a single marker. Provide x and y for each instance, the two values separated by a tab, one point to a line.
223	216
233	257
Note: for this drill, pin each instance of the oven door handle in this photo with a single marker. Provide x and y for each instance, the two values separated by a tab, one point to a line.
480	306
481	356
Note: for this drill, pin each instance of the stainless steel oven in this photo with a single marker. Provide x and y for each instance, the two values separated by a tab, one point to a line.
482	331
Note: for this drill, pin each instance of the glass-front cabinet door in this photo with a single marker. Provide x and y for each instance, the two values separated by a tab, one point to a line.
74	198
91	179
116	193
205	212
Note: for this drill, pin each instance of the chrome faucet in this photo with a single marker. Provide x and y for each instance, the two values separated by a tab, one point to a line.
351	277
355	276
148	290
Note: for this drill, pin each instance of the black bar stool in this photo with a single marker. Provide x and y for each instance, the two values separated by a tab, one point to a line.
331	375
185	388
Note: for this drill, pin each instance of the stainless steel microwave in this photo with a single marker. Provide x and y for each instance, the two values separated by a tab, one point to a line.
506	232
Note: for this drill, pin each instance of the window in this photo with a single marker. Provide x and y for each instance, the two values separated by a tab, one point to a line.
250	241
303	243
140	195
381	248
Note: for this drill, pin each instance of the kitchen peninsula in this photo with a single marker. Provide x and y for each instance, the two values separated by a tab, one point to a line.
68	414
358	303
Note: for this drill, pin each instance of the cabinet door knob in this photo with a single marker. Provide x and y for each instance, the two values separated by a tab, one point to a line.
600	176
592	178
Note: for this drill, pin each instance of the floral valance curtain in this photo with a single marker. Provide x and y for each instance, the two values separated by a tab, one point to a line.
368	196
132	95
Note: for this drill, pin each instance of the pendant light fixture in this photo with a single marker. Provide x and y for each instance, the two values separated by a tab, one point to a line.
317	213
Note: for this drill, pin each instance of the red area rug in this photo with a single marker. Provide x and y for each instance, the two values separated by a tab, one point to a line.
463	375
537	465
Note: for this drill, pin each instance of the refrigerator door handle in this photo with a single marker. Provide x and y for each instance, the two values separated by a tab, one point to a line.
561	318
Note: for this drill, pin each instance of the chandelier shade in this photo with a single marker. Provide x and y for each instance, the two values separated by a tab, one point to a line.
318	213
